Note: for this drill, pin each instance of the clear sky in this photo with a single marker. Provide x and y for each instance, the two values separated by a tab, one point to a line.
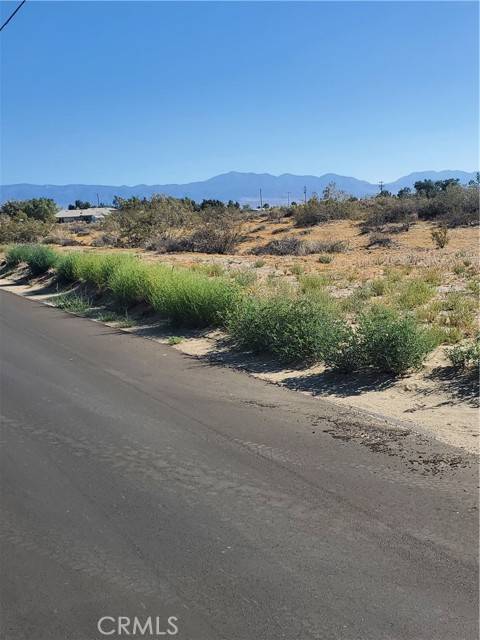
158	92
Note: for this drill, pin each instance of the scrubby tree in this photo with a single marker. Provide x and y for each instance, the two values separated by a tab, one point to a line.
43	209
80	204
404	193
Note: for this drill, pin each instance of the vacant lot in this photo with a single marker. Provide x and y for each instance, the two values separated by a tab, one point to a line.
403	288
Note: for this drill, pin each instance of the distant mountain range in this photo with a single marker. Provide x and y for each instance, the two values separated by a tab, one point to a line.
244	187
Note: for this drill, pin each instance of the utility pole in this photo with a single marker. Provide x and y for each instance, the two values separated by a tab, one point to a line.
380	184
288	198
261	201
98	201
305	194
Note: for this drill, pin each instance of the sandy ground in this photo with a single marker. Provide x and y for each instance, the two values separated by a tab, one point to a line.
437	400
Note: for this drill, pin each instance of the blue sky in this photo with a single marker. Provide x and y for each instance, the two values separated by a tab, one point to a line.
157	92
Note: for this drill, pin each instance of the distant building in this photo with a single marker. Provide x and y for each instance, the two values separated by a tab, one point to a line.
94	214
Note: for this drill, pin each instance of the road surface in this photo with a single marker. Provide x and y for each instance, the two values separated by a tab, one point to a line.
138	483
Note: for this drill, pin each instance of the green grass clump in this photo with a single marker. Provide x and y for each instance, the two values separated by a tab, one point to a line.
379	286
313	282
173	340
297	269
414	293
325	259
245	277
72	302
17	253
68	266
461	311
191	298
473	287
355	302
292	329
129	282
91	268
40	259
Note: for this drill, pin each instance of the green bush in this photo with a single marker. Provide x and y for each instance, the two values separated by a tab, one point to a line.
392	342
292	329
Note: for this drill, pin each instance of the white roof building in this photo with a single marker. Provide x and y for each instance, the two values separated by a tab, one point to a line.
94	214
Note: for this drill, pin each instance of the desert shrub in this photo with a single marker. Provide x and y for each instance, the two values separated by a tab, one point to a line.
413	293
325	259
61	240
379	240
348	354
105	240
392	342
290	245
167	242
216	237
388	210
191	298
40	259
466	355
295	246
22	229
453	205
440	237
42	209
332	246
316	210
292	329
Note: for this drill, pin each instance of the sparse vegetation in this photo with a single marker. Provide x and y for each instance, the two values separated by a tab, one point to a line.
466	355
440	237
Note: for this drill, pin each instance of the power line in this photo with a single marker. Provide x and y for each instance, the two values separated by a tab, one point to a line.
12	14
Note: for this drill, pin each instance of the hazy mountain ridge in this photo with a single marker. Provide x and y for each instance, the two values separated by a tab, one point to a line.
244	187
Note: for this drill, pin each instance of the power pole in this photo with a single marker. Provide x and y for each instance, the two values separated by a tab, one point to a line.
98	201
380	184
288	198
261	201
305	194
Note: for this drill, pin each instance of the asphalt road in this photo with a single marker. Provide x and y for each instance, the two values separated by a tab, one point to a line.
138	482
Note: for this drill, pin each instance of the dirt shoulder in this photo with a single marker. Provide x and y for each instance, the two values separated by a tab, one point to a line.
436	401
